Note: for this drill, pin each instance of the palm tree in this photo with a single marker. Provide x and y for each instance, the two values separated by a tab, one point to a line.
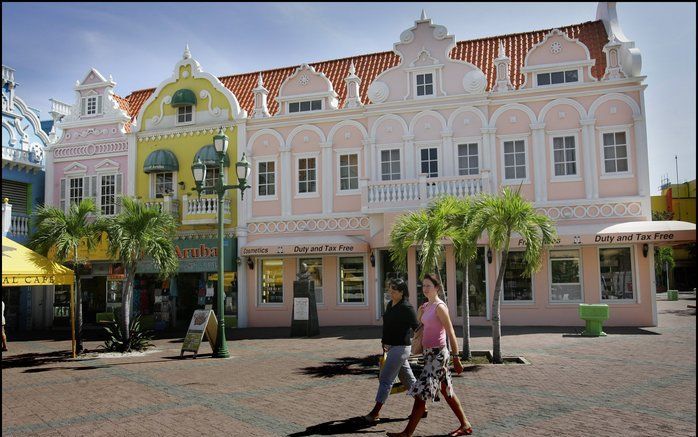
137	232
65	232
501	216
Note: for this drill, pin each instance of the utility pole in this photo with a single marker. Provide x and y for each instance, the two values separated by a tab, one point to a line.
676	159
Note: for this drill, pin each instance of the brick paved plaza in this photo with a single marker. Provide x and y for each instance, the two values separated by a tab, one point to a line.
634	382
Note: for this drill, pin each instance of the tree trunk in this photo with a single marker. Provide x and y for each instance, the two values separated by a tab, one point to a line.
465	351
79	347
126	296
496	324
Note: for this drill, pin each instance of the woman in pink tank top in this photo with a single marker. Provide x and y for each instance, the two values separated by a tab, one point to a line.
436	375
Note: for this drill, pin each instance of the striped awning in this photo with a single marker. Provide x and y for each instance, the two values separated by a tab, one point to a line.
161	160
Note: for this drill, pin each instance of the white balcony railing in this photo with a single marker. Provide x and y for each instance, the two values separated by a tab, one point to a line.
19	225
20	156
204	210
387	195
167	204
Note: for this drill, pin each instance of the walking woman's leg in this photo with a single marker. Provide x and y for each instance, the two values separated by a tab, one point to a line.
390	370
457	409
415	417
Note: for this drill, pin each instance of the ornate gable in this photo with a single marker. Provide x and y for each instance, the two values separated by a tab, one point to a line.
306	84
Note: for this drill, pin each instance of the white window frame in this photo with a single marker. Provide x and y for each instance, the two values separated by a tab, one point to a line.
344	152
532	301
580	77
265	159
433	84
379	170
339	282
174	183
288	106
504	138
465	141
418	160
260	272
551	148
613	129
69	198
297	158
550	276
185	123
99	104
322	265
100	184
633	274
208	182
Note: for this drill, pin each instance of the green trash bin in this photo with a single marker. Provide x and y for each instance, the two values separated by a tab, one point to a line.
594	315
672	295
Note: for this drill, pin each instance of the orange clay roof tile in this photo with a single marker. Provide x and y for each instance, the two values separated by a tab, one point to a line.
479	52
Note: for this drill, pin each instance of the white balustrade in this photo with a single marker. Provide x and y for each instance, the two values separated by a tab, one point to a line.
204	209
19	225
19	156
415	193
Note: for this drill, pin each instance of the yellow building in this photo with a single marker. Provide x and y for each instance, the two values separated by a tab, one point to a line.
175	126
678	202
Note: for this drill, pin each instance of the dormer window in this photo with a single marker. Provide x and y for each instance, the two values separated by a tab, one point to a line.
557	77
185	114
425	84
305	106
92	105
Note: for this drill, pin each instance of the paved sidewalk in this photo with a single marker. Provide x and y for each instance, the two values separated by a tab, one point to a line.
639	382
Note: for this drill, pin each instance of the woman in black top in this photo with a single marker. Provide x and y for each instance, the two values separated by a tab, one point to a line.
399	320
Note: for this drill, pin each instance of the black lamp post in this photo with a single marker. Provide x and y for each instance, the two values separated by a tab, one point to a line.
242	168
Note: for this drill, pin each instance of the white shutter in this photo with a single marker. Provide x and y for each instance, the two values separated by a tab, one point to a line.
117	191
85	187
99	104
63	195
93	186
83	106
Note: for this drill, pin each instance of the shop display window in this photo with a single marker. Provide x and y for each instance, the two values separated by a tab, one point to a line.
517	287
616	273
477	287
351	280
565	282
271	281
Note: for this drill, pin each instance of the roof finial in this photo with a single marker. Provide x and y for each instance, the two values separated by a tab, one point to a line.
501	53
352	70
187	53
259	80
424	15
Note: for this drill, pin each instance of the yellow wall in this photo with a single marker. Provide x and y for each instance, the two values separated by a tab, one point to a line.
683	202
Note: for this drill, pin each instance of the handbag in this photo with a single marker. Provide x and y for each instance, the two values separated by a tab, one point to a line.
417	348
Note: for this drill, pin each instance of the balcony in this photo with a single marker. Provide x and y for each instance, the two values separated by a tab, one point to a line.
23	158
417	193
165	204
14	225
204	210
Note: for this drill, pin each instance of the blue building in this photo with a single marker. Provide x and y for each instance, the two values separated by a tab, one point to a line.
23	146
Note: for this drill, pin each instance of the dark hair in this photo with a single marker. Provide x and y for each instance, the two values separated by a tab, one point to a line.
434	279
401	286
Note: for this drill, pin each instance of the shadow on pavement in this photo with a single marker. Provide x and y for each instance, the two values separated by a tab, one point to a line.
353	425
367	365
34	359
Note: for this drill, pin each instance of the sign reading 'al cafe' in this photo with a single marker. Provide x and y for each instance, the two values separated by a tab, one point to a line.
28	280
305	249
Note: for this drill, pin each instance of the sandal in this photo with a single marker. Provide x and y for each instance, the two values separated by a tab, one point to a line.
461	431
370	419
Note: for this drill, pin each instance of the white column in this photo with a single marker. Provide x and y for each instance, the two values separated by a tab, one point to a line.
131	166
242	277
327	177
48	179
410	167
287	182
370	159
591	181
449	159
489	155
643	169
539	162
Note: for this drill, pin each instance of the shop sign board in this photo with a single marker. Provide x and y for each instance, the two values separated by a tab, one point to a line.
202	322
301	308
197	256
657	237
305	249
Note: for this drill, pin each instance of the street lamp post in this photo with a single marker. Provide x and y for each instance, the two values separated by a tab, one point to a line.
242	168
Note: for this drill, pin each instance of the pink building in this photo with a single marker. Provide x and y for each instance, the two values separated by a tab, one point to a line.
89	160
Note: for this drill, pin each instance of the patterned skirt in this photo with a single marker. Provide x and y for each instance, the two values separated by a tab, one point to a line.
434	373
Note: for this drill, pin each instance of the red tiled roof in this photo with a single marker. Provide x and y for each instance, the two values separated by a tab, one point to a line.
124	106
479	52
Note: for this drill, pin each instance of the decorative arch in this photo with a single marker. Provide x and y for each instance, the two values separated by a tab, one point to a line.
463	110
344	123
308	127
32	118
614	96
6	125
434	114
385	117
493	120
562	101
272	132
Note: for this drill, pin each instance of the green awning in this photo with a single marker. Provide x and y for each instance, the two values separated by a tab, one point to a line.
183	97
160	160
208	156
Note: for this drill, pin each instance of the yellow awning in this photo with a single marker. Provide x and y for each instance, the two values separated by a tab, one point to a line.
22	266
228	277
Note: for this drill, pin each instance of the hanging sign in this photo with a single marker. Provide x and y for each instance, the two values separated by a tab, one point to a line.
202	322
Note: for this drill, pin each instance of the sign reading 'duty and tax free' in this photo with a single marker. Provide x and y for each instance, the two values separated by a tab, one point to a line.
305	249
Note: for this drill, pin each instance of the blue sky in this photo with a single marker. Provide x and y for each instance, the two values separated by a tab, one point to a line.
51	45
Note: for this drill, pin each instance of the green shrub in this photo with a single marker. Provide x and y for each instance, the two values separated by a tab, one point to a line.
139	339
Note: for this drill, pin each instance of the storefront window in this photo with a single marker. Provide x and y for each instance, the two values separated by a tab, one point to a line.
616	273
351	280
271	281
315	271
477	287
517	287
565	284
61	305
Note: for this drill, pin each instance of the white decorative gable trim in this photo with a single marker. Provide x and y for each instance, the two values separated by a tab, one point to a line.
32	118
614	70
196	73
75	168
330	97
630	57
107	166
